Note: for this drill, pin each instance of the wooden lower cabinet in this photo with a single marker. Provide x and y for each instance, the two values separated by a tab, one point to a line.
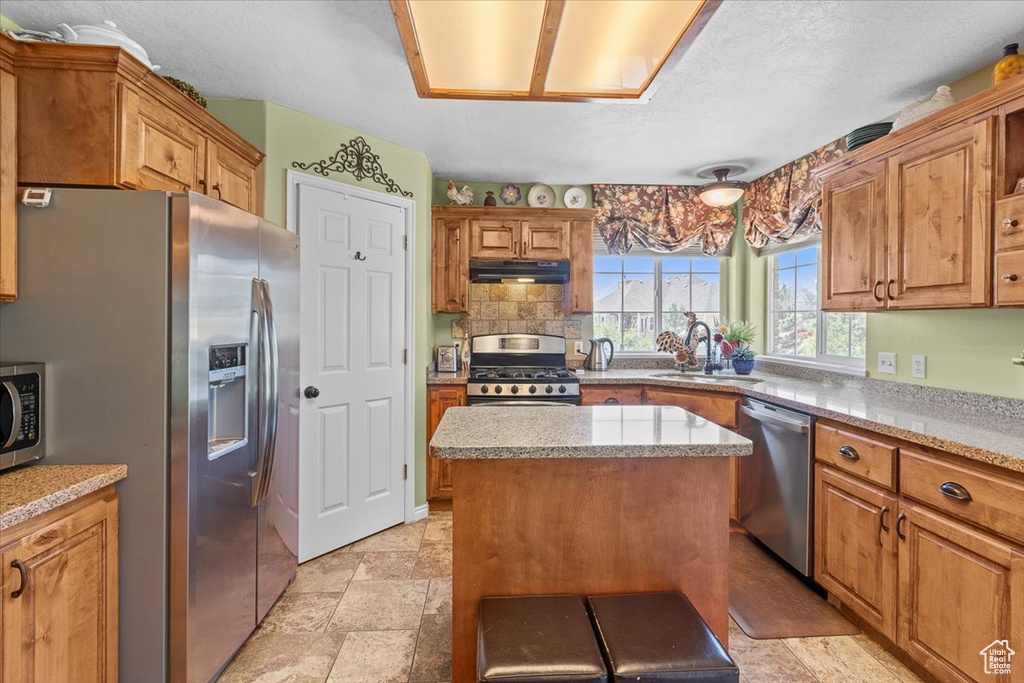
721	411
611	394
59	602
439	472
960	590
855	546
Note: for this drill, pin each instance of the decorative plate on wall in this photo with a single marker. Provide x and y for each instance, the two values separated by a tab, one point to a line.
541	196
510	194
575	198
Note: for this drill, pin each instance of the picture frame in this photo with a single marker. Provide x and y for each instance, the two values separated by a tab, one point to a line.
447	359
1019	187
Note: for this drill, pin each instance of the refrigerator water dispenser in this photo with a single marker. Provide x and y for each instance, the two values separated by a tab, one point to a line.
228	400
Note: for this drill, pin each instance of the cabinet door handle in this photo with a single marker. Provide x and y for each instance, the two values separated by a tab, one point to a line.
523	252
1009	277
899	526
216	186
202	184
953	490
888	289
611	400
882	526
1009	224
874	290
463	299
20	566
849	452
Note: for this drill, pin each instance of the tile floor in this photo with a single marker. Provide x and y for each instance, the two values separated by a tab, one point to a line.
379	611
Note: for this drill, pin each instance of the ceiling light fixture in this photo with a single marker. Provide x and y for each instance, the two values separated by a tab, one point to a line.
722	192
554	50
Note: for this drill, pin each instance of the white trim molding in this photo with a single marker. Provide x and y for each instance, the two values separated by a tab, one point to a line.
408	206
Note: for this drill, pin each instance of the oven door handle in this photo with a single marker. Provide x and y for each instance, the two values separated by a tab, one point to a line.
793	426
523	403
15	414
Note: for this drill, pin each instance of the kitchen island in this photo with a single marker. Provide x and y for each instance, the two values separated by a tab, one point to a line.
587	501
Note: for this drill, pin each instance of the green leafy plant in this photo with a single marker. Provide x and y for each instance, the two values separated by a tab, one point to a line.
743	353
740	333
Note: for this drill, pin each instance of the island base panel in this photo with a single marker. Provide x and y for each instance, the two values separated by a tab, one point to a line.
587	527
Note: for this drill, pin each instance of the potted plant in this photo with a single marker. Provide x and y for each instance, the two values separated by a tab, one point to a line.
743	360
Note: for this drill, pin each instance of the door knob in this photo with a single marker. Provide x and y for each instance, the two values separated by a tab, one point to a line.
311	392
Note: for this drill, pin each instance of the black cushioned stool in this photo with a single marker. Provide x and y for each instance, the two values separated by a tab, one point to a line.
649	637
537	639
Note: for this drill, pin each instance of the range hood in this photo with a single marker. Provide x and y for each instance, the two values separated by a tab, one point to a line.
540	272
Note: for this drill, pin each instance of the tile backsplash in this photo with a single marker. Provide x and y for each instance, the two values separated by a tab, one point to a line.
516	308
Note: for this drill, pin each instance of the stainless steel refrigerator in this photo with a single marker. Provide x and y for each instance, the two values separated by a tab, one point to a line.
169	326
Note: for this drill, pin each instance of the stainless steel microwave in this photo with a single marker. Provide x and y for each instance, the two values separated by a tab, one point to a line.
21	413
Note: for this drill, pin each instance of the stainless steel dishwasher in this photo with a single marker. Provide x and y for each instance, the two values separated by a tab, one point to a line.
776	482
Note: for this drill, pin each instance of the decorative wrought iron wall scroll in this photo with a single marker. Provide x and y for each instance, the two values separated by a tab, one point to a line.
356	158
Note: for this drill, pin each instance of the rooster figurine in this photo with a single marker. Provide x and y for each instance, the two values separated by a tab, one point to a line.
463	197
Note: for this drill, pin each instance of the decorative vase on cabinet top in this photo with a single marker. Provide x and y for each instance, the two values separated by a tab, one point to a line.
1012	64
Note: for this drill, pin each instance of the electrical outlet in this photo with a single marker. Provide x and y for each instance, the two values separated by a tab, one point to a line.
578	348
886	363
917	366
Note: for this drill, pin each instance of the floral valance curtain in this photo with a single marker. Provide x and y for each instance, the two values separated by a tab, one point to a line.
662	218
785	205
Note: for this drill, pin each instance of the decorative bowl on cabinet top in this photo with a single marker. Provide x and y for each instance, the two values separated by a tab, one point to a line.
107	34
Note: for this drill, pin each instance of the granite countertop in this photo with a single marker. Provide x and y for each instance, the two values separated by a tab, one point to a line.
30	491
941	419
482	432
434	377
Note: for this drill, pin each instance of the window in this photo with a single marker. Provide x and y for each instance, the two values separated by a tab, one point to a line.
636	297
798	328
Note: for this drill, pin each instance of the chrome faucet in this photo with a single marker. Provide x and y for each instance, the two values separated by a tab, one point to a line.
709	364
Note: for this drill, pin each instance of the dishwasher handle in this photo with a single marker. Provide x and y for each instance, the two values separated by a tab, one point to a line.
792	425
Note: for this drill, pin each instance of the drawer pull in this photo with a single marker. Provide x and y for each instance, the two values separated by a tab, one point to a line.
1010	277
611	400
899	526
955	491
20	566
1009	224
849	452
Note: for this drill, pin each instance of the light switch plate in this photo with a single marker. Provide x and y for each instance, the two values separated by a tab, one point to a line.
886	363
918	367
578	348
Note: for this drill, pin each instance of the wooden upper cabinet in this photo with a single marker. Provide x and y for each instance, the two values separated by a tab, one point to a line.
940	213
494	238
853	239
450	265
580	290
229	177
59	603
544	239
960	590
8	174
162	151
855	546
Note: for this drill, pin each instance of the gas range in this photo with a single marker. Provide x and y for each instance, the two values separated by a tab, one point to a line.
520	369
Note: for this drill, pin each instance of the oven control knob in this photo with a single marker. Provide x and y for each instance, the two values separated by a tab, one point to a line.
497	390
515	389
561	389
549	389
483	389
533	389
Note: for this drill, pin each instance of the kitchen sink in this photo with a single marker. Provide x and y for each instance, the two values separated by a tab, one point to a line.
709	379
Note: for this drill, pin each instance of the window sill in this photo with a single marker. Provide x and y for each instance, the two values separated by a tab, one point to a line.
843	368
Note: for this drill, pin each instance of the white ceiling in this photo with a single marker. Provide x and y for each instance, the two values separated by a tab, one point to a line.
765	82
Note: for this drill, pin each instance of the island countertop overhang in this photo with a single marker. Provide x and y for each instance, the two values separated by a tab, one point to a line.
646	431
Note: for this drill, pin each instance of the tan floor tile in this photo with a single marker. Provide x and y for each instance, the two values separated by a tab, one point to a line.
433	561
839	659
384	566
301	612
894	665
374	657
439	596
438	532
404	537
328	573
433	660
765	661
284	658
380	606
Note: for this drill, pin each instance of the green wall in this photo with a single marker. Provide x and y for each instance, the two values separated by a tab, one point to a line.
480	189
286	135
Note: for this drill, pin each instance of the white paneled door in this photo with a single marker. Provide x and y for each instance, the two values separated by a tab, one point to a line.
352	419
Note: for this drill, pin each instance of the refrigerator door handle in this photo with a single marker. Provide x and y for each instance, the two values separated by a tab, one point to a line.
272	394
259	307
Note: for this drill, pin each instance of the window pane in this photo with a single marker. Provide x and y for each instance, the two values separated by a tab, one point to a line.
639	264
607	325
786	259
675	264
608	264
845	334
638	331
607	292
858	335
807	288
806	256
784	337
674	321
705	265
638	293
806	334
